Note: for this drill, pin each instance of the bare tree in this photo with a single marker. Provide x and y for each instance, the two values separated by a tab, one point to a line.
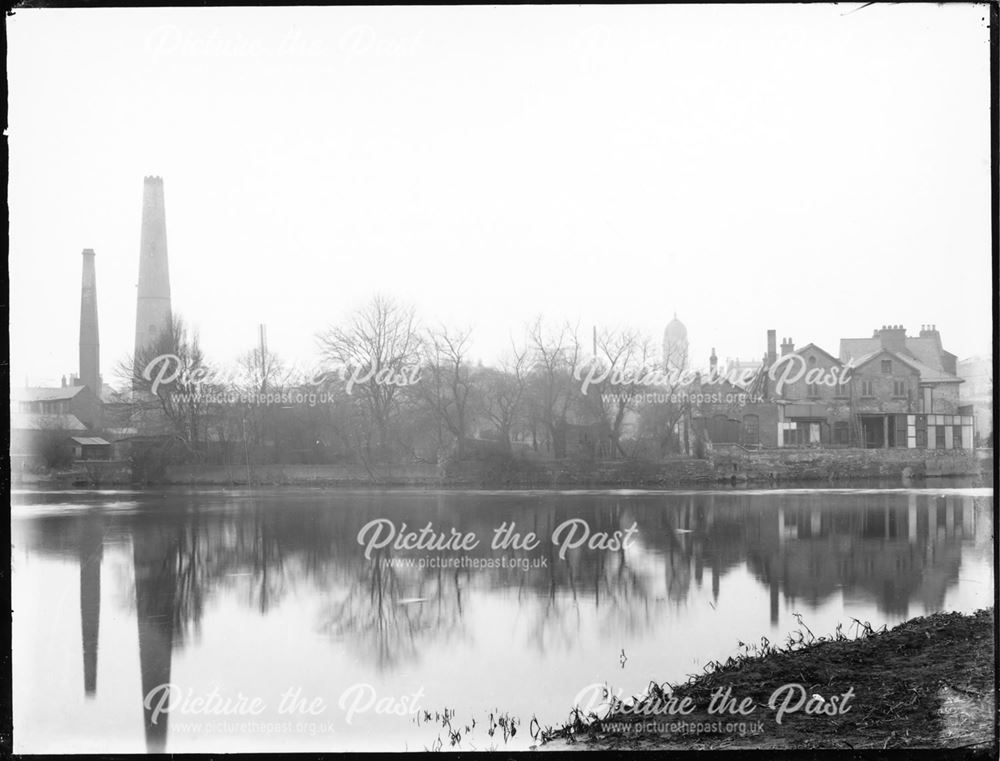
261	380
660	422
623	357
503	391
554	358
378	347
172	386
446	381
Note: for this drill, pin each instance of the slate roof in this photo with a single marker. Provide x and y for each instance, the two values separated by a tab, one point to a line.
927	374
44	394
29	421
90	441
923	354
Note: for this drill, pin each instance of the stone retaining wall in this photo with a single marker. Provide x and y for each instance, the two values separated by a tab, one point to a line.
838	464
732	465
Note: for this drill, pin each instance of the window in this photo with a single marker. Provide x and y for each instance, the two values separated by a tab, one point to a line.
939	437
867	388
900	431
899	388
751	428
843	389
841	433
922	431
887	366
793	437
956	440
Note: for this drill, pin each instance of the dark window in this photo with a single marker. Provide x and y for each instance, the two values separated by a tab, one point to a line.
939	437
899	388
900	430
922	431
751	430
813	390
956	437
887	366
867	388
841	433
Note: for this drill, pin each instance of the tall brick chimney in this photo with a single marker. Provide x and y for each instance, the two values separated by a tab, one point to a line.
152	312
90	348
772	347
892	337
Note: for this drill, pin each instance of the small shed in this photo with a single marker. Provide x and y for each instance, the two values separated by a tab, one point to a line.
90	448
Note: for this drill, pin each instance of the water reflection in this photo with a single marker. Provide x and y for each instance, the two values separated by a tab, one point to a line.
91	555
889	551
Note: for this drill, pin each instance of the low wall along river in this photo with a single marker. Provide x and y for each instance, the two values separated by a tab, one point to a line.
723	465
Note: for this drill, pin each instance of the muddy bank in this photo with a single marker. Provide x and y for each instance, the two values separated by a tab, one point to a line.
927	683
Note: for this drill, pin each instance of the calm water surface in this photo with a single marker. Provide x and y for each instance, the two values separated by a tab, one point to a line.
258	594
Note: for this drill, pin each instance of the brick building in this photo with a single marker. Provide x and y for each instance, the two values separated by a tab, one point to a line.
890	390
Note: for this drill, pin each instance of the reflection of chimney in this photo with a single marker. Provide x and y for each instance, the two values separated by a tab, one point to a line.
787	346
155	559
775	606
91	554
772	350
90	352
152	313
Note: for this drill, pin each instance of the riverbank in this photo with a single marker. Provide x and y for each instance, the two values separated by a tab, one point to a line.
513	472
927	683
724	465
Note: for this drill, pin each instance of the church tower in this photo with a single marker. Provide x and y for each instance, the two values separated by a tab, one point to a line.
675	345
90	350
152	312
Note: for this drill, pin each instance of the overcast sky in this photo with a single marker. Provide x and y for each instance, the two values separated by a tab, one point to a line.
817	169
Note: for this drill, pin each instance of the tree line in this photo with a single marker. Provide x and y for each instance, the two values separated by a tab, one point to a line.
390	389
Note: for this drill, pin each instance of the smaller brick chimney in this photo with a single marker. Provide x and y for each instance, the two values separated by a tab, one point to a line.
772	349
787	346
892	337
713	363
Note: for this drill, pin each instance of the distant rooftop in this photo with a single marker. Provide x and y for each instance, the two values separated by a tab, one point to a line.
26	421
44	393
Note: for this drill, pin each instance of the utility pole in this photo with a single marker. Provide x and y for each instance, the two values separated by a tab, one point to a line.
263	357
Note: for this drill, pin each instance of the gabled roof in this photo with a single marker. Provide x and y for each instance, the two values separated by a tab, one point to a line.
817	348
856	348
865	359
925	350
930	374
927	374
20	421
44	394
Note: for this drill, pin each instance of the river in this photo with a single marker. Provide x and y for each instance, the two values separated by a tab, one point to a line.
212	620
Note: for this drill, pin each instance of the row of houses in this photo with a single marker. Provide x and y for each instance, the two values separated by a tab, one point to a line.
888	391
